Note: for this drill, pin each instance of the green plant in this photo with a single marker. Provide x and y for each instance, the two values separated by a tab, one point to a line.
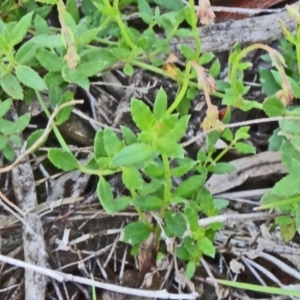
36	57
285	194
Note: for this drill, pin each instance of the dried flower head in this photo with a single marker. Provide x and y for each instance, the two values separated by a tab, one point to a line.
205	13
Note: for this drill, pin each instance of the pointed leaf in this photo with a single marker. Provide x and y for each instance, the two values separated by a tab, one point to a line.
4	107
148	203
105	196
11	86
160	104
135	233
190	186
19	31
63	159
132	154
30	78
132	178
206	246
142	115
49	60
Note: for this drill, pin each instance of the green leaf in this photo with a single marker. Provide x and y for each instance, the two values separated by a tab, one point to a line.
245	148
186	165
7	127
283	220
242	133
132	178
244	65
63	159
215	69
290	157
186	51
206	246
34	137
175	223
3	141
273	107
160	104
169	148
205	58
142	115
21	123
287	186
19	31
30	78
222	168
87	36
185	33
128	70
99	149
55	94
111	141
11	86
25	54
135	233
48	41
4	107
154	169
72	9
288	232
268	82
132	154
53	79
120	53
275	141
148	203
64	114
190	186
192	217
16	140
121	203
180	128
41	25
105	196
145	10
8	152
129	136
49	60
294	85
220	204
182	253
72	76
190	269
89	69
151	187
212	138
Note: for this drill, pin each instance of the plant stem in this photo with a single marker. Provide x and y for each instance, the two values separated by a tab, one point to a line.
55	129
195	30
182	90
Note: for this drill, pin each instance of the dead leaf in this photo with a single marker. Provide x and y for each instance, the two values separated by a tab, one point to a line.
236	267
169	66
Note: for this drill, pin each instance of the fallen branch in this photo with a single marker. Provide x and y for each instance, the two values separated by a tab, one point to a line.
222	36
60	276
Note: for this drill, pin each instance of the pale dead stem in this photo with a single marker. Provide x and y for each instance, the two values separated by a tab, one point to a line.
63	277
239	124
42	138
229	219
